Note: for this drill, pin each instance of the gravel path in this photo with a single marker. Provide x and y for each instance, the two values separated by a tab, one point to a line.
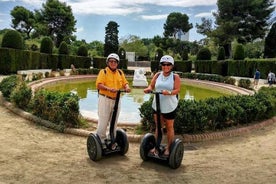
33	154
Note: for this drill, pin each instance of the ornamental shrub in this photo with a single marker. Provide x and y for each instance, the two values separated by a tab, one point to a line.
21	95
244	83
63	48
82	51
47	45
159	54
221	53
7	85
203	54
122	53
184	54
12	39
59	108
239	53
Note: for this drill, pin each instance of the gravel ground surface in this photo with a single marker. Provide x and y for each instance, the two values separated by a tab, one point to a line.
30	153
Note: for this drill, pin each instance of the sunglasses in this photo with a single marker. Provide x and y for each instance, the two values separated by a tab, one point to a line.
168	64
113	61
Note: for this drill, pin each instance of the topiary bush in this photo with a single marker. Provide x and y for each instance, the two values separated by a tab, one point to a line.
63	48
46	45
122	53
13	39
82	51
184	54
239	53
159	54
221	53
203	54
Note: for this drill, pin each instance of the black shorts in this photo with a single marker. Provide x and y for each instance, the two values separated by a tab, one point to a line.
170	115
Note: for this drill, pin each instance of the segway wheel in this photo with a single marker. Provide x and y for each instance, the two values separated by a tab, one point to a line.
148	142
176	154
94	148
122	141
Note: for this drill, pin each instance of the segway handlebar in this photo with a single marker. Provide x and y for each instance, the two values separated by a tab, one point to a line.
156	92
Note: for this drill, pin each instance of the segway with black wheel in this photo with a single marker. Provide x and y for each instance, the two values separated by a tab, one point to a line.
149	142
96	149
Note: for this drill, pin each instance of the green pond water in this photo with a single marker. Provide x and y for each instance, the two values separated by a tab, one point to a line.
131	102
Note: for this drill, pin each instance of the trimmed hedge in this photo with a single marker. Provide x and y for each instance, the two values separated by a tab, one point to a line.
60	108
180	66
12	60
217	113
12	39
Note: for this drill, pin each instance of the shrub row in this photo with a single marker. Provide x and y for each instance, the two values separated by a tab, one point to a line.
12	60
59	108
217	113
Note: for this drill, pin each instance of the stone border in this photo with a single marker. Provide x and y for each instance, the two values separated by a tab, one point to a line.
186	138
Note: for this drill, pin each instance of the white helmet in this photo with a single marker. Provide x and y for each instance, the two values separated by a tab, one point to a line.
167	58
114	56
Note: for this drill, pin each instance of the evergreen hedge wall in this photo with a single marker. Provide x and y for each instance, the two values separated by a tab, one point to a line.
242	68
12	60
180	66
100	62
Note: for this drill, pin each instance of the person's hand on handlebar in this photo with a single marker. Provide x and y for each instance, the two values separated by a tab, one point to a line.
147	90
166	92
127	88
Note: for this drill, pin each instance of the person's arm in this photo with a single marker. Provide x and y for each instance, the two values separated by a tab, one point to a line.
152	83
127	88
125	82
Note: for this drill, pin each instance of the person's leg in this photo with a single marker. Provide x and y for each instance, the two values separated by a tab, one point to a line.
104	112
170	134
115	123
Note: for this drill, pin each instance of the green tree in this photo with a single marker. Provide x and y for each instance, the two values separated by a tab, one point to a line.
240	20
175	23
23	20
134	44
58	20
254	49
205	28
111	44
270	46
243	20
96	48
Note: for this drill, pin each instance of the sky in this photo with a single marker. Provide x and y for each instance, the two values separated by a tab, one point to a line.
142	18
